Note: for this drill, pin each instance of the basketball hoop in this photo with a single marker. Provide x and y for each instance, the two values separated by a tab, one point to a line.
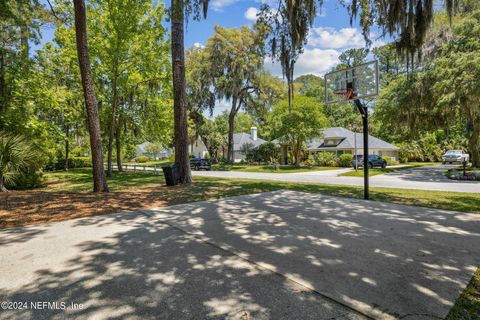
344	95
355	84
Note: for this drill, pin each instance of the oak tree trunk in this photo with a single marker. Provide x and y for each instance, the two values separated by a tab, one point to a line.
297	153
118	143
473	144
3	98
67	147
179	92
111	131
93	121
231	129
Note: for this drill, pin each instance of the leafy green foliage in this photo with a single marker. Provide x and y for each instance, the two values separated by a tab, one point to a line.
352	57
213	134
345	160
154	149
268	153
294	126
230	68
17	158
74	162
443	94
339	114
325	159
41	96
142	159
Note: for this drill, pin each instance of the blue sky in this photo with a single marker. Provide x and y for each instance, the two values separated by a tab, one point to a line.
332	34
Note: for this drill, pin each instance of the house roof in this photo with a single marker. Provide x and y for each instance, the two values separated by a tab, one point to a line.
240	139
347	138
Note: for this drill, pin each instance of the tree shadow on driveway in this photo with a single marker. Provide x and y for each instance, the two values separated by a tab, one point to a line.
278	255
379	258
136	268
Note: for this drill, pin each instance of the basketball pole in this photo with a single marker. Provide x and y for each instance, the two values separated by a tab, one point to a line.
364	112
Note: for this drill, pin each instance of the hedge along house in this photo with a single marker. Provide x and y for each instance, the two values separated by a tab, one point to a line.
339	140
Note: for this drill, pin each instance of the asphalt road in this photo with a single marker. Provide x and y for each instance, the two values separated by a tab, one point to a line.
278	255
420	178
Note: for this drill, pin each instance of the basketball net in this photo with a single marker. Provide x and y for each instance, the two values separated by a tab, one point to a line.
345	94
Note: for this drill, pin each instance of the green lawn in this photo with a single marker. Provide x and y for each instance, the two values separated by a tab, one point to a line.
269	168
371	172
422	164
157	163
467	306
79	180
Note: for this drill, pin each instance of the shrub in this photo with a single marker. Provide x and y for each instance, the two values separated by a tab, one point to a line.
325	159
171	157
310	162
389	160
81	162
18	161
74	162
345	160
268	153
410	151
142	159
27	179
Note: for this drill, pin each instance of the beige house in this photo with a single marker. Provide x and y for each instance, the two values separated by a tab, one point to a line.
339	140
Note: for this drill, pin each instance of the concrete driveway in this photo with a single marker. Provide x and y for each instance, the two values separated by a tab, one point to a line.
420	178
278	255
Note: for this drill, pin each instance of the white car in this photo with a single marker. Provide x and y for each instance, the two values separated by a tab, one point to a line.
455	156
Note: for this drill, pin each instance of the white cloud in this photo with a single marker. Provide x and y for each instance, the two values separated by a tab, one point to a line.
198	45
218	5
311	61
336	39
251	14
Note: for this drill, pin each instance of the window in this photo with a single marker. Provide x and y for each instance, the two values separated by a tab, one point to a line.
331	142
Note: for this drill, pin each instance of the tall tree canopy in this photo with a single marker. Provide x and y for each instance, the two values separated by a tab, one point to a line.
442	94
296	124
290	22
235	60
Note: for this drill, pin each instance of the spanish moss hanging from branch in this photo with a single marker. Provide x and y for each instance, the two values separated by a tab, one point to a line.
290	22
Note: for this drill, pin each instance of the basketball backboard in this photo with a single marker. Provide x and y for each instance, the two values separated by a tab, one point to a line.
353	83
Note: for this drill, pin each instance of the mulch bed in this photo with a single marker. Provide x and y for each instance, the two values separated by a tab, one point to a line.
34	207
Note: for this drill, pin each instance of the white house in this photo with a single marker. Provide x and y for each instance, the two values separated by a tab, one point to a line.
198	148
141	151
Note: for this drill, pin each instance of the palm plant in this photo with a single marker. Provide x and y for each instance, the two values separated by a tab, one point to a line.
15	155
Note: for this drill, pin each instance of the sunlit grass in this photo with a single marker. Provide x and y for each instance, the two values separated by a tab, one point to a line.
203	188
80	180
269	168
157	163
467	306
371	172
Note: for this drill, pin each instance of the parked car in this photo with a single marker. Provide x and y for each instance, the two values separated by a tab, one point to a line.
373	161
452	156
200	164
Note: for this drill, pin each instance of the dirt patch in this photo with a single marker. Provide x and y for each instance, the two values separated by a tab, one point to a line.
34	207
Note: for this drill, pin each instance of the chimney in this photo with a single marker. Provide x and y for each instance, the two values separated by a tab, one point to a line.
253	133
